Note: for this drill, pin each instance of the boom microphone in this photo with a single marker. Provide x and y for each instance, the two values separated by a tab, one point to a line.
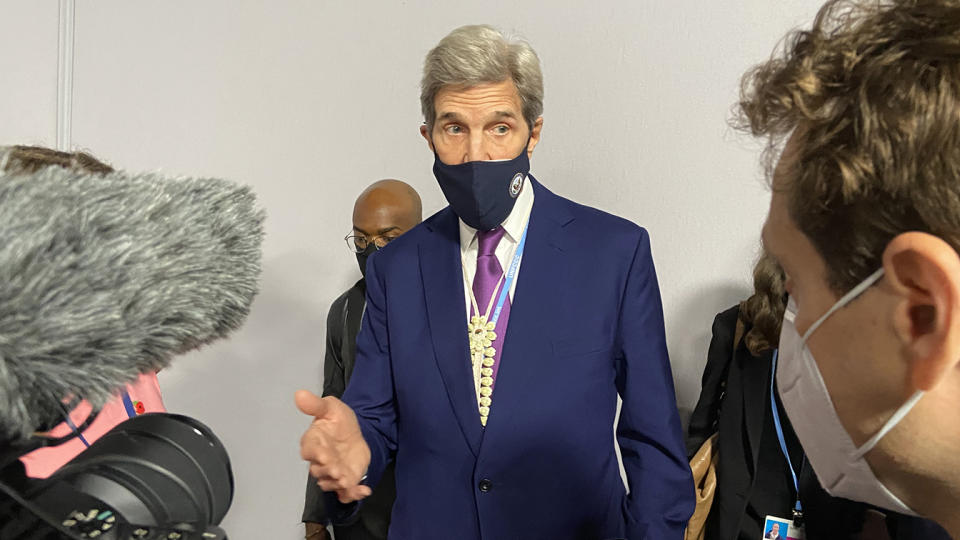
105	277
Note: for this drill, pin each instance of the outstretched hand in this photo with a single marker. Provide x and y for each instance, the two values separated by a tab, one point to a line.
334	446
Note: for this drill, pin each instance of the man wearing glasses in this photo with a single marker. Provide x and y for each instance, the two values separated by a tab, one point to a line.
384	211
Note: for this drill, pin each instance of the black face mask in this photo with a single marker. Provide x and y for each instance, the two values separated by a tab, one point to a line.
482	193
363	256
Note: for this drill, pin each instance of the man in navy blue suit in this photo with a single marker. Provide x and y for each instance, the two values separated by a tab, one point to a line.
497	337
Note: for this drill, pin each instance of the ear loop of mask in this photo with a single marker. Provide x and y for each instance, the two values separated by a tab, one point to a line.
842	303
890	424
906	407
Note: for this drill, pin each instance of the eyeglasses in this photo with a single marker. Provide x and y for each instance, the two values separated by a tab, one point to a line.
358	243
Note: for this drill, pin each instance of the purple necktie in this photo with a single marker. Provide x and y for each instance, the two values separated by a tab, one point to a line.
485	282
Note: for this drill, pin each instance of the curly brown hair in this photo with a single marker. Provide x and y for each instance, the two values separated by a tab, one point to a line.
871	95
29	159
763	311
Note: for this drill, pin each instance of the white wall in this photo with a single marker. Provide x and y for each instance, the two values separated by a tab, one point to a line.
308	101
28	71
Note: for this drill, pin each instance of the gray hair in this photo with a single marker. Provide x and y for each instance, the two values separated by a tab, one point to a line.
480	54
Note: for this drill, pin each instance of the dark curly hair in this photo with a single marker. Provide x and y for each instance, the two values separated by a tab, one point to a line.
871	96
763	311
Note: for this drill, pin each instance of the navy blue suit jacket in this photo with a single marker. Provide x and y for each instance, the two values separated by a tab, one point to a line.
586	324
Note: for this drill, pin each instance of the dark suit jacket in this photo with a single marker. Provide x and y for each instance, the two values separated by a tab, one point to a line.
343	323
742	382
586	324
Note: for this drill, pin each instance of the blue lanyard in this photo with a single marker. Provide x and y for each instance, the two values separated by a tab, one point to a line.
77	431
776	423
127	404
511	274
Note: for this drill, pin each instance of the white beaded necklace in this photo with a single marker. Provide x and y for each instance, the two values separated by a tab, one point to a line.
481	331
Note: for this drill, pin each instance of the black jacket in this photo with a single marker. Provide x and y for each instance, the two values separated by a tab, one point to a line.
735	400
343	324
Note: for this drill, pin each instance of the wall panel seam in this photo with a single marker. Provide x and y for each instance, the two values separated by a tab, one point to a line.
65	48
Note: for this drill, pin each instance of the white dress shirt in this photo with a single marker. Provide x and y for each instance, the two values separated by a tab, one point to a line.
514	226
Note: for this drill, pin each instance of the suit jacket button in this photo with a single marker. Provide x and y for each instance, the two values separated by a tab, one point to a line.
485	485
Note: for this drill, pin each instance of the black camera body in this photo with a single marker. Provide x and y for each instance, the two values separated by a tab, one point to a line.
155	476
87	517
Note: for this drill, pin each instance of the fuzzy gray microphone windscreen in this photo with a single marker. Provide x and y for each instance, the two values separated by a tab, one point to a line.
105	277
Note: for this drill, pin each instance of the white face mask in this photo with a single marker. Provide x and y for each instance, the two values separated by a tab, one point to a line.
838	463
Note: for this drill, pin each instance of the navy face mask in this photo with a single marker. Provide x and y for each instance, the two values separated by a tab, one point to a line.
363	256
482	193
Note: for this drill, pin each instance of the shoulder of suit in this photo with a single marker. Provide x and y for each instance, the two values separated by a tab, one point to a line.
728	317
357	291
337	305
406	242
439	215
594	217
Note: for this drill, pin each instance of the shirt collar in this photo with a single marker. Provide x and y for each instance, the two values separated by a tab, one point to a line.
513	225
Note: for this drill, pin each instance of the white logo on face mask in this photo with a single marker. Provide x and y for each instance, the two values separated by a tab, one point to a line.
838	463
516	185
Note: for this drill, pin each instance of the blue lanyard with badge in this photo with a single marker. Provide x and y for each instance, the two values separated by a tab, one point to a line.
511	274
776	527
127	405
507	282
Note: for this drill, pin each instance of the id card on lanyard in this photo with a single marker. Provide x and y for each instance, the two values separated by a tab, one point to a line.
779	528
776	528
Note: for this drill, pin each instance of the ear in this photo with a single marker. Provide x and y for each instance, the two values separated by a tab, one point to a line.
534	136
924	272
425	133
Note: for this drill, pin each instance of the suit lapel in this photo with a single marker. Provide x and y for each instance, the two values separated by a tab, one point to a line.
756	400
527	346
352	317
442	275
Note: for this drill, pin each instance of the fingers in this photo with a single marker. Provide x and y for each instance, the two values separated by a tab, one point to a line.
354	493
311	404
328	484
335	483
313	447
333	477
